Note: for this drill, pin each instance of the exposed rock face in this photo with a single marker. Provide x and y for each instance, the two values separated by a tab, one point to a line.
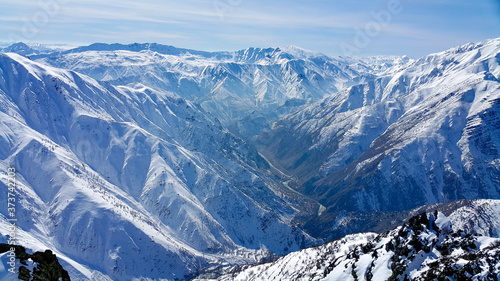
425	248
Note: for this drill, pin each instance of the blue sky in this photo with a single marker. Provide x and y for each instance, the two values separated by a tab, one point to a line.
350	27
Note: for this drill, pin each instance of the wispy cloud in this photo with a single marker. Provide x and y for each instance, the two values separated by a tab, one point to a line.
318	24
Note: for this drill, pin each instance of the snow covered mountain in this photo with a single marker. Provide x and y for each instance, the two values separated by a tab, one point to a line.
246	90
425	248
149	162
33	49
133	182
417	134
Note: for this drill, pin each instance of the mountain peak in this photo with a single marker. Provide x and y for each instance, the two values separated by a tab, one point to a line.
253	54
20	48
299	52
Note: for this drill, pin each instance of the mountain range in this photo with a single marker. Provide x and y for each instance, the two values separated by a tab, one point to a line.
146	161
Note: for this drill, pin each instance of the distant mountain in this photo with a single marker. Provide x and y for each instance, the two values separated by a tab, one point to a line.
246	90
417	134
20	48
427	247
33	49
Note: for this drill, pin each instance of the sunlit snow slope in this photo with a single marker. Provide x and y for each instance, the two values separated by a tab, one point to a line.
132	182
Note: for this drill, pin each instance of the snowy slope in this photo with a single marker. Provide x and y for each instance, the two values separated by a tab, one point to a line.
480	216
425	248
418	134
133	182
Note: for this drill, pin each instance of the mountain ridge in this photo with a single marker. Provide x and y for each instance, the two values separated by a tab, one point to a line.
424	248
131	158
